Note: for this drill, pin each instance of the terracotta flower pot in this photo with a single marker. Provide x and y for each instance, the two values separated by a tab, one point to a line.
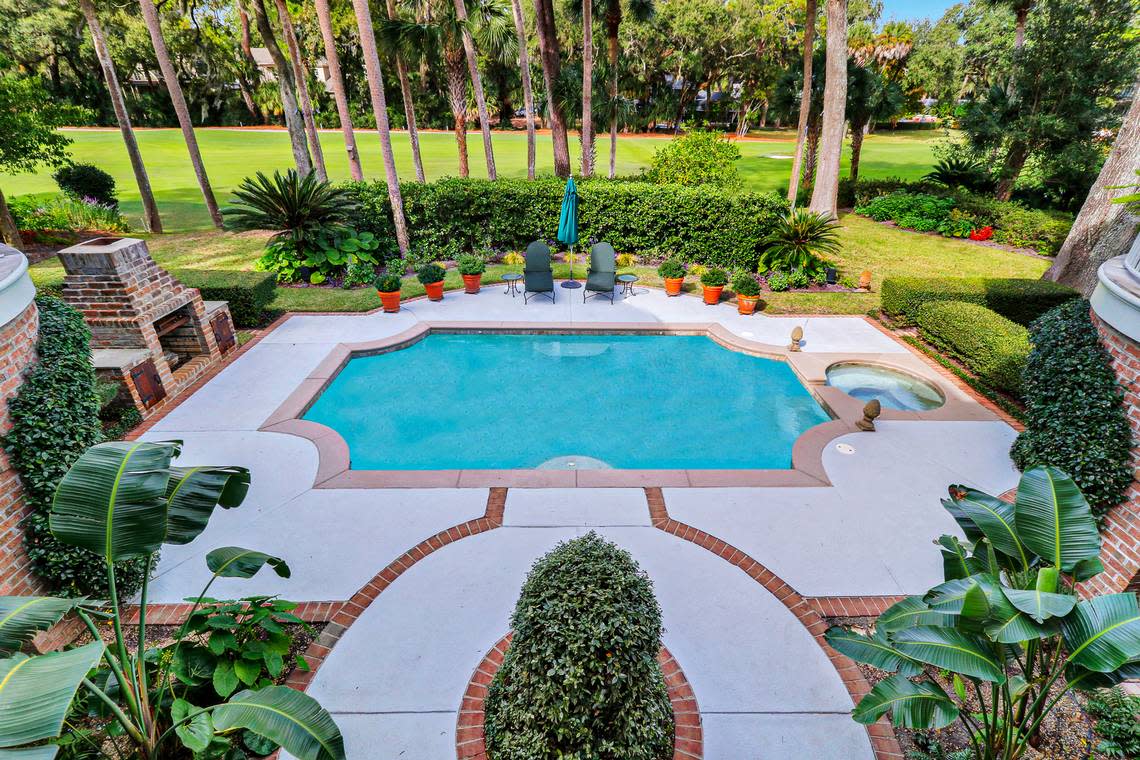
712	294
391	301
747	304
673	285
472	282
434	290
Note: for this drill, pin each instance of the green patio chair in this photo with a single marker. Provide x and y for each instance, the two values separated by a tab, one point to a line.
538	277
601	279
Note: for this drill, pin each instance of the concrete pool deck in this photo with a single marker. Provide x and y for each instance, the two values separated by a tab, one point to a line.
422	580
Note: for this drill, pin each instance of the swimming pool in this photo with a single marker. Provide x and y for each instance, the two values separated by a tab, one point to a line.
504	401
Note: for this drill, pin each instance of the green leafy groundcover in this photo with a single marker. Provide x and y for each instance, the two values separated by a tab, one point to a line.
993	347
1019	299
248	293
1075	414
707	224
581	678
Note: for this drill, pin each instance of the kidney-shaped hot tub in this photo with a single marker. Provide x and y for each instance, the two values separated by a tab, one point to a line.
893	388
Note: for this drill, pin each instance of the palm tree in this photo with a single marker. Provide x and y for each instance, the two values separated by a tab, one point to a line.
825	191
151	220
286	85
300	77
528	94
587	88
170	78
409	104
336	80
380	110
476	86
870	97
641	10
551	73
805	103
1021	9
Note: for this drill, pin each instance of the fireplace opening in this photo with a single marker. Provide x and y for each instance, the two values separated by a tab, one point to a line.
179	337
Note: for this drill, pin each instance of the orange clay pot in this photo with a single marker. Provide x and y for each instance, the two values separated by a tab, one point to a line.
472	282
391	301
712	294
747	304
673	285
434	290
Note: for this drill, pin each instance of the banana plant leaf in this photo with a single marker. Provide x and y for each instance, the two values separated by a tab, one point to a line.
956	561
236	562
950	597
1103	633
113	499
874	650
192	494
975	609
995	519
1041	605
910	612
287	717
1083	679
22	617
1009	625
912	705
36	692
965	522
1054	520
951	649
42	752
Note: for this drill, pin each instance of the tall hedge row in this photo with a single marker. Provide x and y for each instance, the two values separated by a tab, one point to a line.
1019	299
702	224
993	347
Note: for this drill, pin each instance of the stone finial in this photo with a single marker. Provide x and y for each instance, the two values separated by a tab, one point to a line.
871	410
797	336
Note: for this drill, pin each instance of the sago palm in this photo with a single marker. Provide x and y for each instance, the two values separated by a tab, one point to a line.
800	241
292	206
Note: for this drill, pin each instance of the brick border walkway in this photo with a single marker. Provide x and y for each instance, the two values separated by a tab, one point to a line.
688	741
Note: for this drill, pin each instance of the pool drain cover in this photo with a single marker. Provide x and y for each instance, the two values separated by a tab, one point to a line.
845	448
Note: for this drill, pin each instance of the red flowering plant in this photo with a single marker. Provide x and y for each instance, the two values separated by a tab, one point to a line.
983	233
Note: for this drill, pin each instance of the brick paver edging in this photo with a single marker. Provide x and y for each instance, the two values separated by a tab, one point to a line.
688	741
352	609
882	736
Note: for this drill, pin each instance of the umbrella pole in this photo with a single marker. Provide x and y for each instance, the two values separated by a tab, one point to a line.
571	283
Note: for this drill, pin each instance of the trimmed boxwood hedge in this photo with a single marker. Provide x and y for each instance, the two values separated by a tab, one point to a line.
1075	413
249	293
1021	300
993	347
700	224
581	678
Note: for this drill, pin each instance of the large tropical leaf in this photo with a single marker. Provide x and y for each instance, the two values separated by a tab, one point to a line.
994	518
192	494
956	561
113	499
912	705
1009	625
36	692
1053	518
965	522
1041	605
236	562
1103	633
910	612
22	617
950	597
287	717
874	650
951	649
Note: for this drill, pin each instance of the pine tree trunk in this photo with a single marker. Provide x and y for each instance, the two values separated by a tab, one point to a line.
170	78
9	232
380	111
587	133
856	150
457	97
528	94
301	78
1103	229
825	190
613	24
409	104
551	72
336	79
805	103
1011	169
477	87
152	222
283	71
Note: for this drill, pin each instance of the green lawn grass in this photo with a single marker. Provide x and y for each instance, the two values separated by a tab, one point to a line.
232	154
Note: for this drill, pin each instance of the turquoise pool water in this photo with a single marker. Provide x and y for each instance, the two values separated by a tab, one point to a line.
567	401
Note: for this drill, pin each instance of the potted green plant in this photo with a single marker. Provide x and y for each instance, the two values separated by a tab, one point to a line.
747	292
713	282
472	267
431	277
388	287
673	272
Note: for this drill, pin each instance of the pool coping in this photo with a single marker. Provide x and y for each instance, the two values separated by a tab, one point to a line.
807	470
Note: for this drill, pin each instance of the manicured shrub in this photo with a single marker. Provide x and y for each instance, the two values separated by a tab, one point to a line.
1018	299
469	264
430	273
696	158
744	284
249	293
389	283
993	347
55	418
87	181
581	678
1075	414
704	224
671	269
715	278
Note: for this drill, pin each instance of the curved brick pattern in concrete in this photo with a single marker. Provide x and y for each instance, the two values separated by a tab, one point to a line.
688	743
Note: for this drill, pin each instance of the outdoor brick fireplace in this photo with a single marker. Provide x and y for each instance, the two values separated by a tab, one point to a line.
147	328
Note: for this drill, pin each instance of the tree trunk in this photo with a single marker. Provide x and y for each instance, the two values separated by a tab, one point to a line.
811	153
409	103
613	24
170	78
244	85
528	94
152	222
764	114
805	103
477	87
287	86
457	97
9	232
1011	168
301	78
551	71
742	116
856	150
825	190
380	111
324	18
1103	229
1019	28
587	132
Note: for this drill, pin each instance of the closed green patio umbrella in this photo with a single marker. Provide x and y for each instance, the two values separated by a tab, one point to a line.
568	225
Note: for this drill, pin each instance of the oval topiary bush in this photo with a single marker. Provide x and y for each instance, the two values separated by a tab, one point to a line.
581	678
994	347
